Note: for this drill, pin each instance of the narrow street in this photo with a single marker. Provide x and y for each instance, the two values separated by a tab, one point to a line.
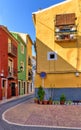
5	126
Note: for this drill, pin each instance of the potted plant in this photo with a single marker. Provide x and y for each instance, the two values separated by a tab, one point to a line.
45	102
36	100
50	100
62	99
41	94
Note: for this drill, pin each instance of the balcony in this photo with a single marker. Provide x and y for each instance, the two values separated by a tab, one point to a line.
12	50
12	73
29	61
30	75
65	38
29	78
65	33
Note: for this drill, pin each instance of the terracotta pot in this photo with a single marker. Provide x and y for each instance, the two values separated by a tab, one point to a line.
45	102
62	102
50	102
36	101
40	102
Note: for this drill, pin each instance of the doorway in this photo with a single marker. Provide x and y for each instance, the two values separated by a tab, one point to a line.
19	83
4	88
24	87
27	87
13	91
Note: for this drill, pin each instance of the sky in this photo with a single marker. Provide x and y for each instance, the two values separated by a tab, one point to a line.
16	15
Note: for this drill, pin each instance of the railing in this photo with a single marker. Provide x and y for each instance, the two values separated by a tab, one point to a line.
12	72
30	75
12	49
65	37
66	33
29	61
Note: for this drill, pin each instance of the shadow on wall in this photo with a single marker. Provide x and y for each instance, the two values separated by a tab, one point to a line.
66	61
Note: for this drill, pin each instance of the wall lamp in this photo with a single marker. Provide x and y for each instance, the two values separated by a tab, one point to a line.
2	73
77	74
21	69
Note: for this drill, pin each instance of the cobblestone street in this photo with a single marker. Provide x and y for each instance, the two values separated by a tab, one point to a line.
35	115
31	114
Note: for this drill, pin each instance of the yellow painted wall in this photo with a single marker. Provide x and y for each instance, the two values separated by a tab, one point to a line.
67	80
29	53
68	53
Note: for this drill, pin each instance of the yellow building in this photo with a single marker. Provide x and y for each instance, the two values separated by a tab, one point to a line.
27	39
58	49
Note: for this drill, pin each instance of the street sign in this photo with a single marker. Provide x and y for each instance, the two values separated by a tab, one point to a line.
42	74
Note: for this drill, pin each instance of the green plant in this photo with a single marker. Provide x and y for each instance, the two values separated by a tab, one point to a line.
41	93
56	102
63	98
69	102
36	99
50	98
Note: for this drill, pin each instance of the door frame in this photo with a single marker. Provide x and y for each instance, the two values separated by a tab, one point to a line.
6	84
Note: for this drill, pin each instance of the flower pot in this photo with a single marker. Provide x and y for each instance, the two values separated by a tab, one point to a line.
62	102
45	102
40	102
50	102
36	100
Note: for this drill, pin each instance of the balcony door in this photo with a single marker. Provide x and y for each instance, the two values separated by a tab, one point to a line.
10	67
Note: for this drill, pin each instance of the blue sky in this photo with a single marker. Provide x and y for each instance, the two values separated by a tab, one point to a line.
17	14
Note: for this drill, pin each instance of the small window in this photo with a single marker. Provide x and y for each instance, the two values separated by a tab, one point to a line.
22	64
9	40
22	48
52	56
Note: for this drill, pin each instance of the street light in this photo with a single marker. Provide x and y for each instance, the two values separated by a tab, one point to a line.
2	73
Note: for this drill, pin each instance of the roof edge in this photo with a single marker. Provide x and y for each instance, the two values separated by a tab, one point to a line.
40	11
9	33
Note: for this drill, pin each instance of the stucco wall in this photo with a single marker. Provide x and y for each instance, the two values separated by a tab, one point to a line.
55	93
60	72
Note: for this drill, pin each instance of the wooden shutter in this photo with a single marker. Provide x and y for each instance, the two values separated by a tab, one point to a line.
65	19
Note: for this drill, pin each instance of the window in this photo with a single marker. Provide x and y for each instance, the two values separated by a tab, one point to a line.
22	64
52	56
29	61
65	19
65	27
22	48
3	83
10	66
9	45
30	74
9	40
